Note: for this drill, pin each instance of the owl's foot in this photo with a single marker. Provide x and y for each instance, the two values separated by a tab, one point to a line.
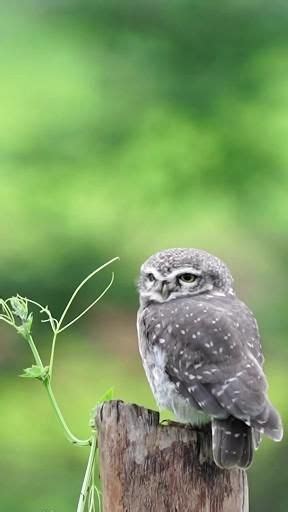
169	423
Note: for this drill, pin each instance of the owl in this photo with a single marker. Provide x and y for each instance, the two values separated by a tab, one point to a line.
201	351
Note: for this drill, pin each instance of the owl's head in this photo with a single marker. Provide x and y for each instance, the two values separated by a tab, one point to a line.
174	273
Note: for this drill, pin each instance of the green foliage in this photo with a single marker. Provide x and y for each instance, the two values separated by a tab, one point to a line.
36	372
16	308
108	395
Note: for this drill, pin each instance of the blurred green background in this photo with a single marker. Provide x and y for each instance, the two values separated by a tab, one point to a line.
128	127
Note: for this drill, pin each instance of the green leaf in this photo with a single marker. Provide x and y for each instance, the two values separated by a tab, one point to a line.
108	395
35	372
19	307
28	323
25	328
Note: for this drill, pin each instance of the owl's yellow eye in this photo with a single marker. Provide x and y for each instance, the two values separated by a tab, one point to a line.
187	277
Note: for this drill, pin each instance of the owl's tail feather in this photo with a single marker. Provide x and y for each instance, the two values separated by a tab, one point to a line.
232	442
268	422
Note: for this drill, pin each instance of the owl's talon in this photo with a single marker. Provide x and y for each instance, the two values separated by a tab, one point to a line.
169	423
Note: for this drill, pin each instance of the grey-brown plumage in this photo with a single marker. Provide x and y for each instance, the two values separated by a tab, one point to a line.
201	351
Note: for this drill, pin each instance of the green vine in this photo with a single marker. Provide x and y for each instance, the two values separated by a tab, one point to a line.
15	313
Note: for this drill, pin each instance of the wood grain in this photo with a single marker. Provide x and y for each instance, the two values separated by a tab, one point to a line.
147	466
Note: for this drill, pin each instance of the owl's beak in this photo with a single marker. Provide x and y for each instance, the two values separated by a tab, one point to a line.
165	290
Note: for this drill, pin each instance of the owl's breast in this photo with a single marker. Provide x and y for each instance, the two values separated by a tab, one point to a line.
154	359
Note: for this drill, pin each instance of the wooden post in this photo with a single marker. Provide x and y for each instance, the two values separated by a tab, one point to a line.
149	467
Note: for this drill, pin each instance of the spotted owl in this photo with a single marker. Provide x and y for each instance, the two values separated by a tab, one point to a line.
201	351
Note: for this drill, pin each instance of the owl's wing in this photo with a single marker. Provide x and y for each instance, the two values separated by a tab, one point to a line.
209	361
245	321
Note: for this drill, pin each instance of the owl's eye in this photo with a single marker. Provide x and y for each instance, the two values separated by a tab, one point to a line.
187	277
151	277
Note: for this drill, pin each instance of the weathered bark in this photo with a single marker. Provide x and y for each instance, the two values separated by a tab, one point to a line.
147	467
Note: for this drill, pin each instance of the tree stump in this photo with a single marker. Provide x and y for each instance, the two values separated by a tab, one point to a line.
150	467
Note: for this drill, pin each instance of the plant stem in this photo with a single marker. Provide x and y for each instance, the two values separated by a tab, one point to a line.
73	439
58	330
89	307
47	384
88	473
52	353
5	319
34	351
59	327
81	286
